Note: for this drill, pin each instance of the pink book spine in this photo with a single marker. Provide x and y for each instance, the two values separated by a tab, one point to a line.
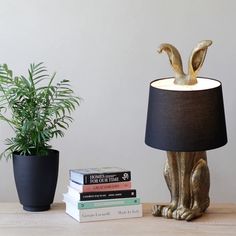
107	187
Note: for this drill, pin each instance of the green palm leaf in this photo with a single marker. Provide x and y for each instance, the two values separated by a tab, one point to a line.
38	112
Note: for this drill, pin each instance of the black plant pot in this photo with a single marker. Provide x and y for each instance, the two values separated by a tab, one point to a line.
36	179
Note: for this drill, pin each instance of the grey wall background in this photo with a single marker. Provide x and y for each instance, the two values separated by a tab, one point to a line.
107	49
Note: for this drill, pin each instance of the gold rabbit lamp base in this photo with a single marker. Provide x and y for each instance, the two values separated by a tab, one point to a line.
185	118
187	177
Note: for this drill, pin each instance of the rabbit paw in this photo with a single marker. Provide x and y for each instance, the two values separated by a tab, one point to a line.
157	210
164	210
191	214
187	214
167	211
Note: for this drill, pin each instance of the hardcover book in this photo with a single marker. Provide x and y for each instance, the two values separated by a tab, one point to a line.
89	196
106	213
100	175
100	187
100	203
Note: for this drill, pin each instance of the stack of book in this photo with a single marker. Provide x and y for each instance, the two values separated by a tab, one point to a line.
101	194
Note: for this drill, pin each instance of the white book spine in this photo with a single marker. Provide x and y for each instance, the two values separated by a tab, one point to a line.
107	213
75	185
73	192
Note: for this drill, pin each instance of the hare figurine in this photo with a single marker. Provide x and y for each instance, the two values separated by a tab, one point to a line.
186	173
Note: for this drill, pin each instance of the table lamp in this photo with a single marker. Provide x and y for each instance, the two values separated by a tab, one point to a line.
185	118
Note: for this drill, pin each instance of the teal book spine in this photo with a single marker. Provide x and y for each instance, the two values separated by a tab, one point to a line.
108	203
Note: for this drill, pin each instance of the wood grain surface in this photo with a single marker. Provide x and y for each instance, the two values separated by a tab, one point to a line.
220	219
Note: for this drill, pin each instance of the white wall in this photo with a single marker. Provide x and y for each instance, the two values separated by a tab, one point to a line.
107	49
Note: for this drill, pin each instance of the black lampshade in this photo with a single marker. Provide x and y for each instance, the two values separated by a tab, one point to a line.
186	118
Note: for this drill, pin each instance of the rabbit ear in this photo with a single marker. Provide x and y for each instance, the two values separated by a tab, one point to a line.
174	57
197	58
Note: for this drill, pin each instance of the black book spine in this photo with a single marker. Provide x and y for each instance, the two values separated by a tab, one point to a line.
89	196
107	177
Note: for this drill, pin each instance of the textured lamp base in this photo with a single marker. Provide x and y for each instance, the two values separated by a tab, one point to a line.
188	179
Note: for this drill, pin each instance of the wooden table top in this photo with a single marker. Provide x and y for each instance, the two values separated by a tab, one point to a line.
220	219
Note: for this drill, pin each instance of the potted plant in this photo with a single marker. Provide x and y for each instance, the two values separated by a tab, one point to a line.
37	110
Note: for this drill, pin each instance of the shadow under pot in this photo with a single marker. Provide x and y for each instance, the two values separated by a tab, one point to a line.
36	179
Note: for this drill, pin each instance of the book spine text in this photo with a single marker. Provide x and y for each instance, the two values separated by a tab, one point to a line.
106	178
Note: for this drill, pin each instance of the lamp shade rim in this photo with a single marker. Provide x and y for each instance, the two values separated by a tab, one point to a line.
186	149
167	83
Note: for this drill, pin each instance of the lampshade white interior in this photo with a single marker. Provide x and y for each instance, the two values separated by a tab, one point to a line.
168	84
